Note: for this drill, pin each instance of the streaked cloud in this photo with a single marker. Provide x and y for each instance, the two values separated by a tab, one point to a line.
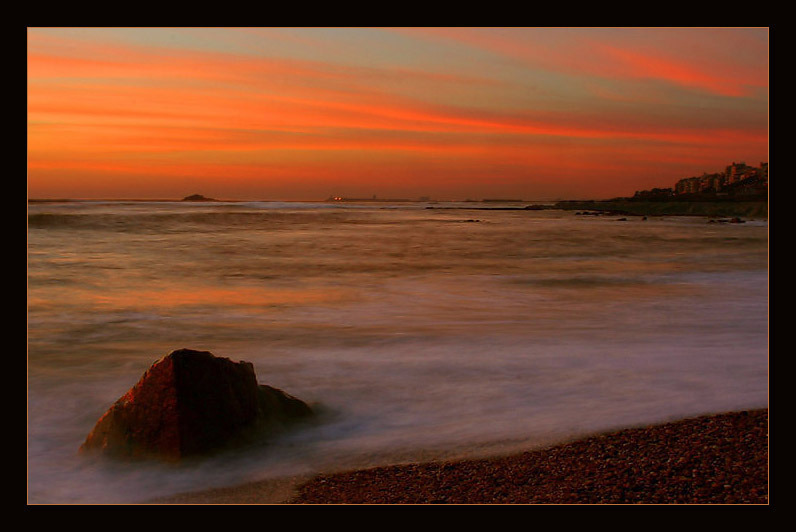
269	107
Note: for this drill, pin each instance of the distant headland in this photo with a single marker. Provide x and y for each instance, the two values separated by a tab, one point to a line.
738	181
740	190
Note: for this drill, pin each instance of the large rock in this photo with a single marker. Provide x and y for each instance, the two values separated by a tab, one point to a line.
191	403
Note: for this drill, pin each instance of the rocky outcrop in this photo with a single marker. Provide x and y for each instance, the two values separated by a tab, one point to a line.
197	197
191	403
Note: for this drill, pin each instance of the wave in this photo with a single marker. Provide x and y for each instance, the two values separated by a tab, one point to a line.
170	220
177	217
140	221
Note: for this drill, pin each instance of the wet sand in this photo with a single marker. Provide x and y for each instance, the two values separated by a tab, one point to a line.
716	459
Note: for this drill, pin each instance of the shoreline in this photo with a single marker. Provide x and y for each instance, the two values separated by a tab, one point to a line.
710	459
704	208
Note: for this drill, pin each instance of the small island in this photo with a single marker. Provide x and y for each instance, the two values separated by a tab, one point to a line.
197	197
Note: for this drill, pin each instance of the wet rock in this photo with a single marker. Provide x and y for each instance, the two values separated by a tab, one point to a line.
734	220
191	403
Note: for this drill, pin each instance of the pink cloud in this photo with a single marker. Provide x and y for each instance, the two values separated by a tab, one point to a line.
693	63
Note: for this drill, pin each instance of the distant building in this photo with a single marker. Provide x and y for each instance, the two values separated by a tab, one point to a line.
712	182
689	185
737	178
738	171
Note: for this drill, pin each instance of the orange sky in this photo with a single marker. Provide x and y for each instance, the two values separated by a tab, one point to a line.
451	113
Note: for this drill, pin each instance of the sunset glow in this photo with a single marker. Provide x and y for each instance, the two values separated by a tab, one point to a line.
449	113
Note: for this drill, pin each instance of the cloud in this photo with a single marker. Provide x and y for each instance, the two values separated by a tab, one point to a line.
626	63
496	100
687	58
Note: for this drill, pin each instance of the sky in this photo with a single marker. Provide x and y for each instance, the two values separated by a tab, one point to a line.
450	113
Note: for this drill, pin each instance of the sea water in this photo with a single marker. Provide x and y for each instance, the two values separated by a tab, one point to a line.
418	330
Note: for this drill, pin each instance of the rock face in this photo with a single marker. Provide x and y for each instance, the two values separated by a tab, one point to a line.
191	403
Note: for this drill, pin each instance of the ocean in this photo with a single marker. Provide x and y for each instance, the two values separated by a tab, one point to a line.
419	330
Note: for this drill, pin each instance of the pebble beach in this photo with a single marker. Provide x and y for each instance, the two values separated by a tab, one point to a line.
713	459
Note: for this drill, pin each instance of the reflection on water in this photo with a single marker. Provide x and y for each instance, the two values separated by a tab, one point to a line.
176	297
418	331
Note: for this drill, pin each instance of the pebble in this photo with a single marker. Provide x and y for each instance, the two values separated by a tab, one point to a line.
716	459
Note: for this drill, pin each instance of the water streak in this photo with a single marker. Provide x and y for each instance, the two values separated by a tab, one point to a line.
417	332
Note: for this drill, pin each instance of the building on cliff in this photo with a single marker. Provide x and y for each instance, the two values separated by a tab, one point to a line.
738	179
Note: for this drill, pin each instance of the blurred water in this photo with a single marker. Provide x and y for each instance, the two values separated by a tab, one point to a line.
417	331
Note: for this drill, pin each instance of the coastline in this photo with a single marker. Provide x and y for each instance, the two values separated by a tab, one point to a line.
727	208
711	459
752	208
